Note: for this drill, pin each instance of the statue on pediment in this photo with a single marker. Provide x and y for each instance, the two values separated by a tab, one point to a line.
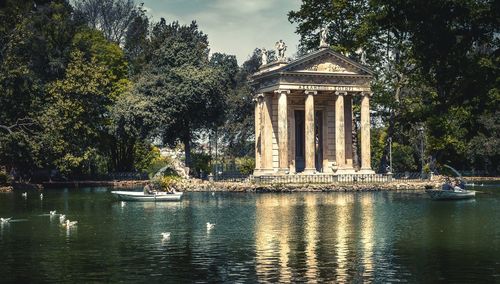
280	49
323	38
263	56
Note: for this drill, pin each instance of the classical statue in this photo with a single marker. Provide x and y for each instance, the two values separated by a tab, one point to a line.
263	56
323	37
280	49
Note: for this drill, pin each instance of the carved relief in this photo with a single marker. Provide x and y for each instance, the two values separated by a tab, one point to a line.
327	64
327	67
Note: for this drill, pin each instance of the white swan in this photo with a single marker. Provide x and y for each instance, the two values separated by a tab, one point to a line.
41	196
62	218
165	236
123	203
24	194
52	213
5	220
210	226
69	224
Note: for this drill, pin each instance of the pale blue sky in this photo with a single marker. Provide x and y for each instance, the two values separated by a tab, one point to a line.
233	26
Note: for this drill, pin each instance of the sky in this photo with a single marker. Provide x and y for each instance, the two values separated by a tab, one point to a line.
234	27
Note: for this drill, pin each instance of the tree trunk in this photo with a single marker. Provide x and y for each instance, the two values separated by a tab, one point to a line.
384	160
392	125
187	148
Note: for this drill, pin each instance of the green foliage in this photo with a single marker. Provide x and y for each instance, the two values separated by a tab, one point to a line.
238	129
403	158
159	163
4	177
145	155
245	165
187	94
435	63
75	116
166	183
200	163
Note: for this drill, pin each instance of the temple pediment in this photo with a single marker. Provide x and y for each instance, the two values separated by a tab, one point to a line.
326	61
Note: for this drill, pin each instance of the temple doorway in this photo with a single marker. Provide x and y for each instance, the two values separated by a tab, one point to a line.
300	140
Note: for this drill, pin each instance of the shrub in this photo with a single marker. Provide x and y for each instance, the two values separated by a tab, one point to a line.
200	162
160	163
4	178
166	182
245	165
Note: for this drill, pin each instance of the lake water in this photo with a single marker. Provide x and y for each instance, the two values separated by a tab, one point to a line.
300	237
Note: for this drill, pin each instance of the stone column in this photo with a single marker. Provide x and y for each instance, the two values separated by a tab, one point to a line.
258	131
267	135
310	138
339	130
283	130
365	134
348	130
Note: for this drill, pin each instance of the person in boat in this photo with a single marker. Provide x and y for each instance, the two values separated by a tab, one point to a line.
458	184
148	189
447	185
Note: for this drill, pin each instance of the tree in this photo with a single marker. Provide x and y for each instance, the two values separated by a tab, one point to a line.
186	93
453	46
75	117
239	125
428	58
34	40
112	17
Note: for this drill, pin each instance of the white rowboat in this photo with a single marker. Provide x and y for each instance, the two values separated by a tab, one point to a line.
438	194
140	196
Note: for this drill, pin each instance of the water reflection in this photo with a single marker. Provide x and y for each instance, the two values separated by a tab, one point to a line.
343	227
367	237
311	237
337	237
302	237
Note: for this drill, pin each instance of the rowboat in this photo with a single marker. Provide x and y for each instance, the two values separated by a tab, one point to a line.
439	194
140	196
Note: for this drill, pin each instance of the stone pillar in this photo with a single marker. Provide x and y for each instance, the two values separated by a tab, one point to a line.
283	130
267	135
258	131
348	130
310	138
365	135
339	131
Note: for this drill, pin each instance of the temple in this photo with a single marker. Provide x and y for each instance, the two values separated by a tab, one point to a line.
304	115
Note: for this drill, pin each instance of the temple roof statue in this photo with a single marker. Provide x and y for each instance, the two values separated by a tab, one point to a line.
263	56
280	50
323	38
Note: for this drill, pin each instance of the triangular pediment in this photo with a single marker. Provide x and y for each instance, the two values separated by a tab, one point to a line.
326	61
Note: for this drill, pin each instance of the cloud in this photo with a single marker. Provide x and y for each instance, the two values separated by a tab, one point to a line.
233	27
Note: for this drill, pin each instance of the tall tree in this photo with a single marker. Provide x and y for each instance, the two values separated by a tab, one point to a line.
239	125
429	58
187	94
112	17
34	49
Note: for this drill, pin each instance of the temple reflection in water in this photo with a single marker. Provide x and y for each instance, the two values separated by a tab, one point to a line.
311	236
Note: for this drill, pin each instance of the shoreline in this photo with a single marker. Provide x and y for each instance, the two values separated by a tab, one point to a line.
330	187
196	185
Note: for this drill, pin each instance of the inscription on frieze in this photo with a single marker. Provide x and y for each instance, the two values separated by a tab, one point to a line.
329	88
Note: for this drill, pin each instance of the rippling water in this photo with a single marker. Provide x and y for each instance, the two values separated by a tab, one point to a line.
299	237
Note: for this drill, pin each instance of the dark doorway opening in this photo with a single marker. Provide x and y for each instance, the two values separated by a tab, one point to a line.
300	140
